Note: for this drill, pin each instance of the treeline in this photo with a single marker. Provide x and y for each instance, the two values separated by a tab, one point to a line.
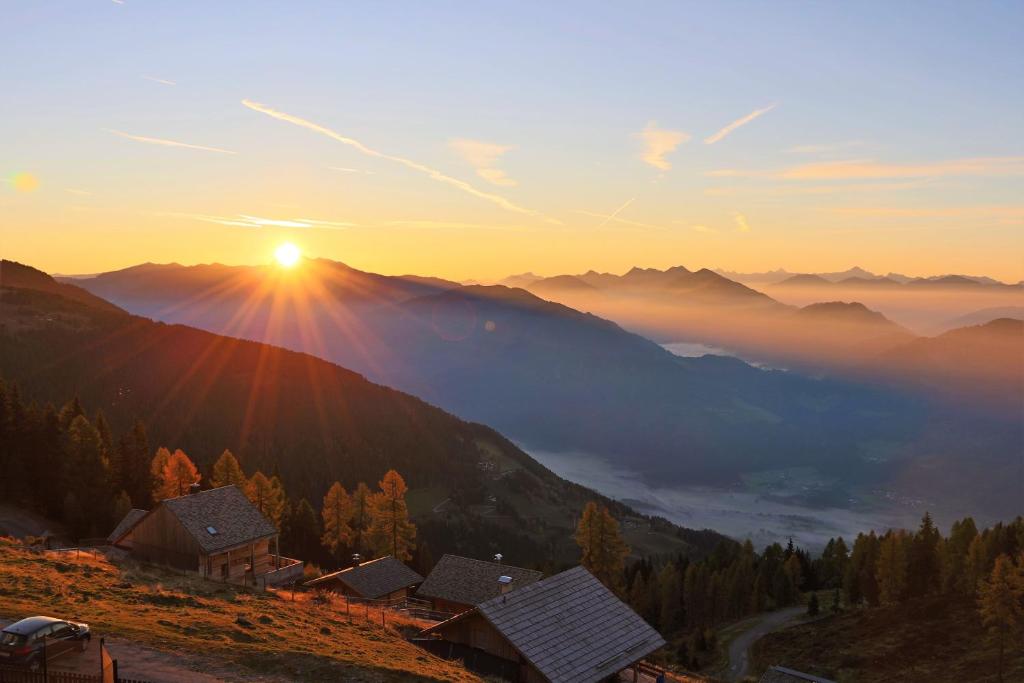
72	469
688	600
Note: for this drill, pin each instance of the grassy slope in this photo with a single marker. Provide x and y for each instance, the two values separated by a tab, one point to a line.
936	639
168	612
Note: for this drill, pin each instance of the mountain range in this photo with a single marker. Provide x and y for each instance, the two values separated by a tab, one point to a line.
291	413
555	378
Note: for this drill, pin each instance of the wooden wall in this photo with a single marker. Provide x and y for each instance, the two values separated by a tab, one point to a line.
160	538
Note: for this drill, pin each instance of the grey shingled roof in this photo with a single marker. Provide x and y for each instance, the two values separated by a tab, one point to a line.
469	581
374	579
780	674
570	627
129	520
227	510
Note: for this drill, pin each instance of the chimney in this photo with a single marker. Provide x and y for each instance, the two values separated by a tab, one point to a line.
193	489
356	558
505	584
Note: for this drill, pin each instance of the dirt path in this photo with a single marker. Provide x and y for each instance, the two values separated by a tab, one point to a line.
144	663
739	648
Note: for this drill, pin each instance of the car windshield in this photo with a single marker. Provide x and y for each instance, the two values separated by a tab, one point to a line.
7	638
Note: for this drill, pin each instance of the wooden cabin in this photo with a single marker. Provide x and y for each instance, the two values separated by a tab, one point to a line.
568	628
457	584
217	533
385	578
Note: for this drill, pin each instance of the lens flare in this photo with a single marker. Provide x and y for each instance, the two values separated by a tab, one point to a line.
287	255
24	182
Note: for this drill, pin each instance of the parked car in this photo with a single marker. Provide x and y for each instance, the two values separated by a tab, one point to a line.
25	642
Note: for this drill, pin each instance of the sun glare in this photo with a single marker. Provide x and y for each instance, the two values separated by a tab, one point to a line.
287	255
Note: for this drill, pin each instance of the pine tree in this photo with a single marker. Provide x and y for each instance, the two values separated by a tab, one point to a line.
302	534
227	472
670	594
391	532
923	569
88	478
268	497
891	569
362	515
603	550
1001	603
179	473
336	513
69	412
137	477
120	507
812	606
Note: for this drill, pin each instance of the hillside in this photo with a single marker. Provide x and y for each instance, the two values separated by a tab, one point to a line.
310	420
560	380
938	639
255	634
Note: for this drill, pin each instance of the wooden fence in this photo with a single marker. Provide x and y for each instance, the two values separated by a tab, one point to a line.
9	674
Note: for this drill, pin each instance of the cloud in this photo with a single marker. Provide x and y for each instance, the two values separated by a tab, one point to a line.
702	228
167	143
432	173
741	222
737	124
659	142
824	148
248	221
791	190
1005	214
484	157
344	169
614	216
162	81
867	168
454	225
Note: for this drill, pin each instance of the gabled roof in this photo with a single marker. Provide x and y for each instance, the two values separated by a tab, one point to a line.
129	520
569	627
218	519
373	579
780	674
470	582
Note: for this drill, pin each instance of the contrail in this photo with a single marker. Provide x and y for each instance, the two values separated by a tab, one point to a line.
408	163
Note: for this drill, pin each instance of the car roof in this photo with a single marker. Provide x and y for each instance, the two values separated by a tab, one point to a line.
30	625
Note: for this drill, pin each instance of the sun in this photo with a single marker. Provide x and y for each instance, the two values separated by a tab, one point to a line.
287	255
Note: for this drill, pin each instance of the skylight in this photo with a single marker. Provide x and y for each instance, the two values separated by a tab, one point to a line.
211	530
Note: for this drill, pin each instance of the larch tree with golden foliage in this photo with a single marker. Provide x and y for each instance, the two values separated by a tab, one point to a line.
227	471
336	513
391	532
156	468
362	516
1001	603
603	549
268	496
179	473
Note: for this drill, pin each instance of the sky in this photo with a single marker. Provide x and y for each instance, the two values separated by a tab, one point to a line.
475	140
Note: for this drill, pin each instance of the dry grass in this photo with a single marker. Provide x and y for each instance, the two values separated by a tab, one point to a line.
265	633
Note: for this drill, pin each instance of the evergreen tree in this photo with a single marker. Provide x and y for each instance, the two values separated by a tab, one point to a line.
301	538
603	550
120	507
88	479
891	570
69	412
670	593
178	474
336	513
227	472
924	572
812	606
391	532
137	478
1001	603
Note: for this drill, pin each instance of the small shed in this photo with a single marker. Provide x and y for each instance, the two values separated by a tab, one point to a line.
385	578
457	584
568	628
